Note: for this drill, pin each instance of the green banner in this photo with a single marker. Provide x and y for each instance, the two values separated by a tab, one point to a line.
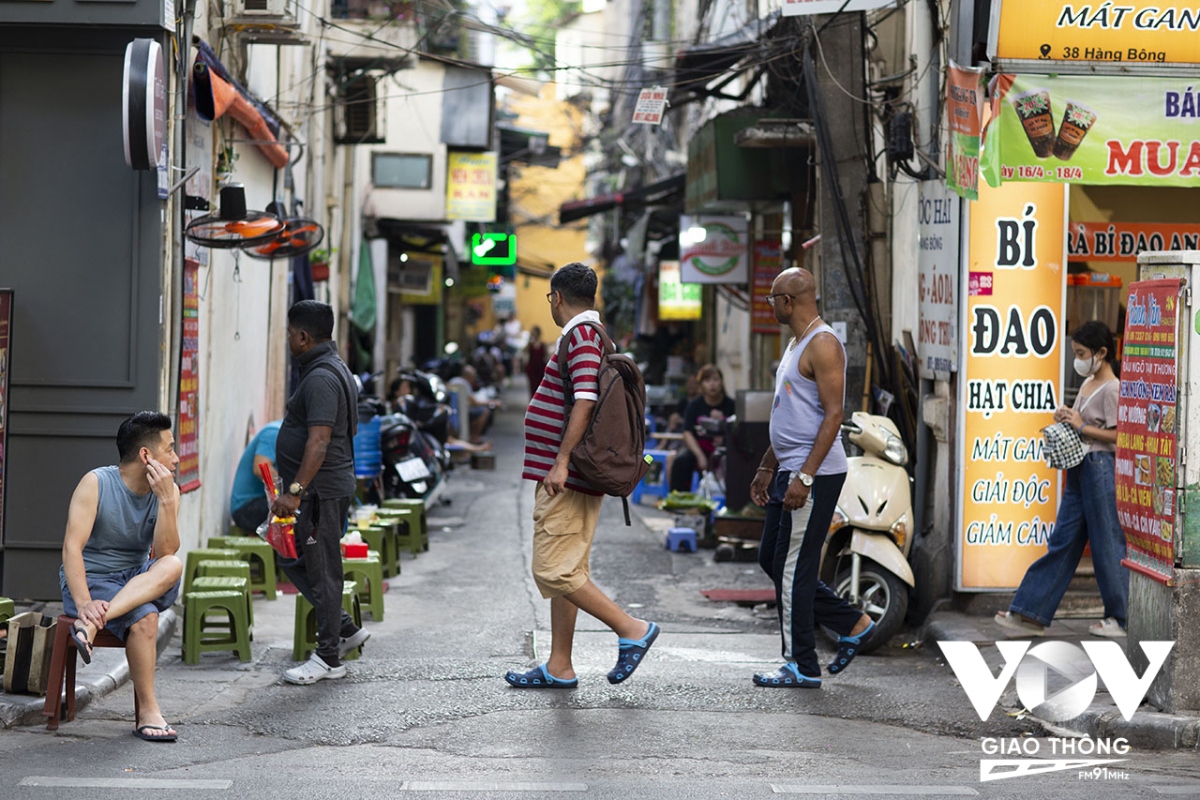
1093	130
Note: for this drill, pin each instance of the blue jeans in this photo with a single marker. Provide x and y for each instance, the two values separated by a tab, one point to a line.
1087	515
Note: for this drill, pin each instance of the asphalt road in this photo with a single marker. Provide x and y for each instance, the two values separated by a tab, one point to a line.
426	713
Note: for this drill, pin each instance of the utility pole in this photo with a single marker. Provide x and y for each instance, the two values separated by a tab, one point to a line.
837	48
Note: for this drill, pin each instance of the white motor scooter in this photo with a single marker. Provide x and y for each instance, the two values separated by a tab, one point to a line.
865	558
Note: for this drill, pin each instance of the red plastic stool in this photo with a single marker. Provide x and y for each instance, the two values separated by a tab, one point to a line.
62	672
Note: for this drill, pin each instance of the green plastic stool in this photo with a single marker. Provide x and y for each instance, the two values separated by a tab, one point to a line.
202	635
223	583
260	556
381	539
304	638
8	609
236	569
368	573
234	530
194	557
410	530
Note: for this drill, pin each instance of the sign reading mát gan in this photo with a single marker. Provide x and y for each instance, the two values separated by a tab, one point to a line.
1135	31
1010	380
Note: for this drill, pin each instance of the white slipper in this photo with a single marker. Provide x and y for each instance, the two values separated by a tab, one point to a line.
1017	623
1109	628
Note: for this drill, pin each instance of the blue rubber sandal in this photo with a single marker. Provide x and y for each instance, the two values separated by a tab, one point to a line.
786	677
847	649
538	678
630	654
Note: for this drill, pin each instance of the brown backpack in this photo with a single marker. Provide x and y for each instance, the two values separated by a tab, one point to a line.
611	454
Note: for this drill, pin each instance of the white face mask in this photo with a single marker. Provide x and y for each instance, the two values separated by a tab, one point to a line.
1086	366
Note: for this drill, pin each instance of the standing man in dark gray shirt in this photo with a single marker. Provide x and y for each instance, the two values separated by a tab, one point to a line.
315	457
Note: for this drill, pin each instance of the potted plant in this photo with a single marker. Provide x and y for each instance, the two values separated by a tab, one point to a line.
318	262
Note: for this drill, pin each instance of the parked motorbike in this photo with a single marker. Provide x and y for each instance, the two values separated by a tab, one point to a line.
410	466
865	558
428	407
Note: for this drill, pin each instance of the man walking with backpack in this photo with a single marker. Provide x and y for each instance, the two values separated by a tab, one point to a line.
566	505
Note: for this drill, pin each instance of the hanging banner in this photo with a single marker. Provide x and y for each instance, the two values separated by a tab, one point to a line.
937	285
471	186
768	263
677	300
964	113
713	249
1135	32
1010	381
1122	241
6	314
1146	427
1095	130
187	444
801	8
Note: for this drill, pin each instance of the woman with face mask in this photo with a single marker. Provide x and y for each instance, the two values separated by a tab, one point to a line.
1088	511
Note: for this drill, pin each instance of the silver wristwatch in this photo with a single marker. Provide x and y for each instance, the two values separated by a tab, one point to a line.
803	477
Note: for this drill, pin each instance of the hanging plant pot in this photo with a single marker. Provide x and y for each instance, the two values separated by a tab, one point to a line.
320	271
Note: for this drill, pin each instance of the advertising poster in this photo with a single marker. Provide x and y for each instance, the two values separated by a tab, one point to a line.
1146	427
1134	32
6	309
800	8
1010	381
1122	241
964	114
937	283
1096	130
189	381
471	186
676	300
714	249
768	263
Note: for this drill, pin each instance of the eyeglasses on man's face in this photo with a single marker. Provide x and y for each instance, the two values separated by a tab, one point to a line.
771	298
549	297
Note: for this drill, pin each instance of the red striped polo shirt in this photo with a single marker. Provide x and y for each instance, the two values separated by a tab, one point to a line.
545	419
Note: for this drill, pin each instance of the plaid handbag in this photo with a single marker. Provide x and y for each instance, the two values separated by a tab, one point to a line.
1062	446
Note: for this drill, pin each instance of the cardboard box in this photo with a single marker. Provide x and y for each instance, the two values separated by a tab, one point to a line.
483	460
30	645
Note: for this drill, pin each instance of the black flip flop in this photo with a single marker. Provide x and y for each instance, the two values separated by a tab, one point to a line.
140	733
79	636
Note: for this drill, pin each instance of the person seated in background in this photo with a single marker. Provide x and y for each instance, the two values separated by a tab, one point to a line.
400	393
248	504
479	409
712	403
119	568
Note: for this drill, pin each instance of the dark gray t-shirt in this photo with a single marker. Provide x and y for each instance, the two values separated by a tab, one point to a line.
321	399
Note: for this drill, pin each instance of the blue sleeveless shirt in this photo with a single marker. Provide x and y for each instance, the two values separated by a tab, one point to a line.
124	528
796	413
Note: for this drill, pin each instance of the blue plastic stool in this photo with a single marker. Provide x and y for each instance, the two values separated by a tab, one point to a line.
681	538
656	483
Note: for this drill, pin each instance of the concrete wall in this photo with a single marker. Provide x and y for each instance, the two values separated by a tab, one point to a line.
414	124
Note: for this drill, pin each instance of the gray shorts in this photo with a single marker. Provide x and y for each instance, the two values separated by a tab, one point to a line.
104	586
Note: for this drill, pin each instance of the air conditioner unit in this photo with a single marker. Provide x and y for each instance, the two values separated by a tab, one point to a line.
262	8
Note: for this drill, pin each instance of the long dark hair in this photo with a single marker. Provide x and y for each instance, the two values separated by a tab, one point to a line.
1095	335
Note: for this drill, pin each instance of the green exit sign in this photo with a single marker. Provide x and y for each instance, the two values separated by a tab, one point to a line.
494	249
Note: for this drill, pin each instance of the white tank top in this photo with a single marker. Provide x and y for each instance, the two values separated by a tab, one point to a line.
796	413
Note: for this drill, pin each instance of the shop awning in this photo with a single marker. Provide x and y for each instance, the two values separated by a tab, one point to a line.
696	67
650	194
217	93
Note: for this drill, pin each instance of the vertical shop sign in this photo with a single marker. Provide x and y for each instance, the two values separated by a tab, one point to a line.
471	186
937	284
964	113
677	300
189	381
1010	382
768	263
6	310
1146	427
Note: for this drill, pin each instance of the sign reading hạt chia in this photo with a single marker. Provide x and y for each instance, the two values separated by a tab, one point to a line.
1095	130
1146	427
